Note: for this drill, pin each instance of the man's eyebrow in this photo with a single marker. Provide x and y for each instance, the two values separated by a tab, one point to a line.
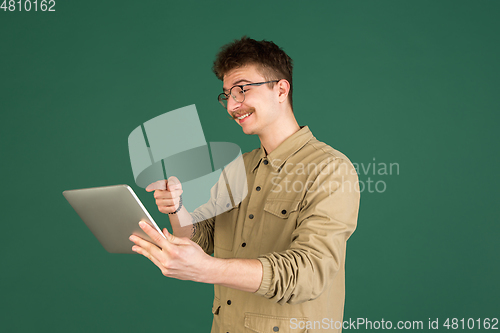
237	83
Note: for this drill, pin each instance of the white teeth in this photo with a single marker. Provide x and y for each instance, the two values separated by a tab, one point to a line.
244	116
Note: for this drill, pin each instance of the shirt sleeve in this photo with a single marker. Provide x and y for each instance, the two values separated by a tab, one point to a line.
204	235
327	217
203	219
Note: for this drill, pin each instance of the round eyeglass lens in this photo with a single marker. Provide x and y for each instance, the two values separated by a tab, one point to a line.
238	94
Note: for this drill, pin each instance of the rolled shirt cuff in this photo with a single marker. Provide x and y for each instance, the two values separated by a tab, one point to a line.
267	274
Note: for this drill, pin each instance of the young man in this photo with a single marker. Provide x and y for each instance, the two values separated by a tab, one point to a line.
279	255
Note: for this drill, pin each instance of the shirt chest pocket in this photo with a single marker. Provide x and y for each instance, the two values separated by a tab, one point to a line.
280	220
281	208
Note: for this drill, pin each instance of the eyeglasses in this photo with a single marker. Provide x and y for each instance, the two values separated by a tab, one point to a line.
238	92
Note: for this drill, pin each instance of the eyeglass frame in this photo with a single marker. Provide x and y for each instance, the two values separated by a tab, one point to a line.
220	98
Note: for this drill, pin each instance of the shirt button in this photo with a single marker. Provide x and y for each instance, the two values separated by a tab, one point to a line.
228	205
244	244
228	302
250	216
283	211
276	328
258	188
265	162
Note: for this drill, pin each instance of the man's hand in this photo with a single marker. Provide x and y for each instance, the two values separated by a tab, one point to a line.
176	257
167	194
183	259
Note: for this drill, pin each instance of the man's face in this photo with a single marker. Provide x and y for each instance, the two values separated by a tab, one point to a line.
259	104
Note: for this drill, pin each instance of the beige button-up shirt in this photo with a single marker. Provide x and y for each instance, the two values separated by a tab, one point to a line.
301	207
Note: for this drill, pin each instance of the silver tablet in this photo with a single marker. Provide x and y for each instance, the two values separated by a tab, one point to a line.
112	213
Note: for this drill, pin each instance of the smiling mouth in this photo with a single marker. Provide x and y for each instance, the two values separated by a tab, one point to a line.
242	115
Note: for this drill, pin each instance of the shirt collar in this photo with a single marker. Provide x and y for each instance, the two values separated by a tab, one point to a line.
285	150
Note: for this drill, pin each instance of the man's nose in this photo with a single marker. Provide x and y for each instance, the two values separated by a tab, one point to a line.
232	105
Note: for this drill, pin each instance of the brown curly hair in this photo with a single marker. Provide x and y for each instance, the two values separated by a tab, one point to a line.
272	62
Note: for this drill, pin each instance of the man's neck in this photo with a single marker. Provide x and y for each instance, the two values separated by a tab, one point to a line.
273	137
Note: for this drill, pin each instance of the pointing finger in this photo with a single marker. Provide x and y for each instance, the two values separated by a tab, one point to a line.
173	183
158	185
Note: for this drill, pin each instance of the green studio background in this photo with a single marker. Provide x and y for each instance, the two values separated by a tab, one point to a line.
408	82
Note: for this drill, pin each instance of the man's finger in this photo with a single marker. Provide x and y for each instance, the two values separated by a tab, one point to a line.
158	185
151	248
173	183
174	240
155	236
163	194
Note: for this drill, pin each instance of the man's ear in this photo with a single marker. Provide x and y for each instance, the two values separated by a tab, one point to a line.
283	90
